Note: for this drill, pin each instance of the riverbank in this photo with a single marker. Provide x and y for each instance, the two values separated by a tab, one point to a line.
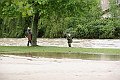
49	49
18	45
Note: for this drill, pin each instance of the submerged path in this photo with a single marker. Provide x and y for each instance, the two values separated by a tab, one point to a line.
62	42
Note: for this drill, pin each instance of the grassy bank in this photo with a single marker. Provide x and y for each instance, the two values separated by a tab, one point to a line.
44	49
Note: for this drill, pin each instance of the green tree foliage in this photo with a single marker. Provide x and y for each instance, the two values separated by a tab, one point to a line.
99	29
115	9
55	18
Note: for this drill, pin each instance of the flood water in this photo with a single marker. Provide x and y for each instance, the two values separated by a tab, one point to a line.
62	42
83	56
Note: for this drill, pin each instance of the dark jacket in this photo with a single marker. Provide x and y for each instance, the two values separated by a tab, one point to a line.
29	35
69	38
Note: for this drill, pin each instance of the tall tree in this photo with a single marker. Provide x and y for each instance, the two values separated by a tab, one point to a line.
61	8
38	9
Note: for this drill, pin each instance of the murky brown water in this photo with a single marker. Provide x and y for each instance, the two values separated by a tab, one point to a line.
84	56
62	42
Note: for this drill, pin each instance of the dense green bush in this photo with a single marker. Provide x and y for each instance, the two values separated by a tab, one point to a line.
106	32
81	18
14	27
81	32
99	29
117	32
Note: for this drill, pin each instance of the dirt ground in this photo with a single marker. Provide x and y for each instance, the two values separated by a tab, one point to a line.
62	42
27	68
38	68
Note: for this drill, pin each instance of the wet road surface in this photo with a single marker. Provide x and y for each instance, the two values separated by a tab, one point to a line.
27	68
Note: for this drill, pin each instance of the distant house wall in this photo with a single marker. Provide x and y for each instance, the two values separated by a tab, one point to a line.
118	1
105	8
104	5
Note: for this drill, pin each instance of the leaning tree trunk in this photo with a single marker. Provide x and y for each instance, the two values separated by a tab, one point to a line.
34	29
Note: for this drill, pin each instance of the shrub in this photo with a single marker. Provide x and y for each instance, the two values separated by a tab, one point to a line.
81	32
106	32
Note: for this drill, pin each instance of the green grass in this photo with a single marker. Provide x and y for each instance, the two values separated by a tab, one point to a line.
44	49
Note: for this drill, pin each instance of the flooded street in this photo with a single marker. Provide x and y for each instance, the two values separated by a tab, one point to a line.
62	42
37	68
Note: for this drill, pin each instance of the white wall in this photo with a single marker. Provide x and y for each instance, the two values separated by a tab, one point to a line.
105	4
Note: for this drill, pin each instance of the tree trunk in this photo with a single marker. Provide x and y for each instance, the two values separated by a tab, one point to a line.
34	29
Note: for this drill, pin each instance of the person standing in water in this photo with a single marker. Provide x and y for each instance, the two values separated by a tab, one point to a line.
69	38
29	36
